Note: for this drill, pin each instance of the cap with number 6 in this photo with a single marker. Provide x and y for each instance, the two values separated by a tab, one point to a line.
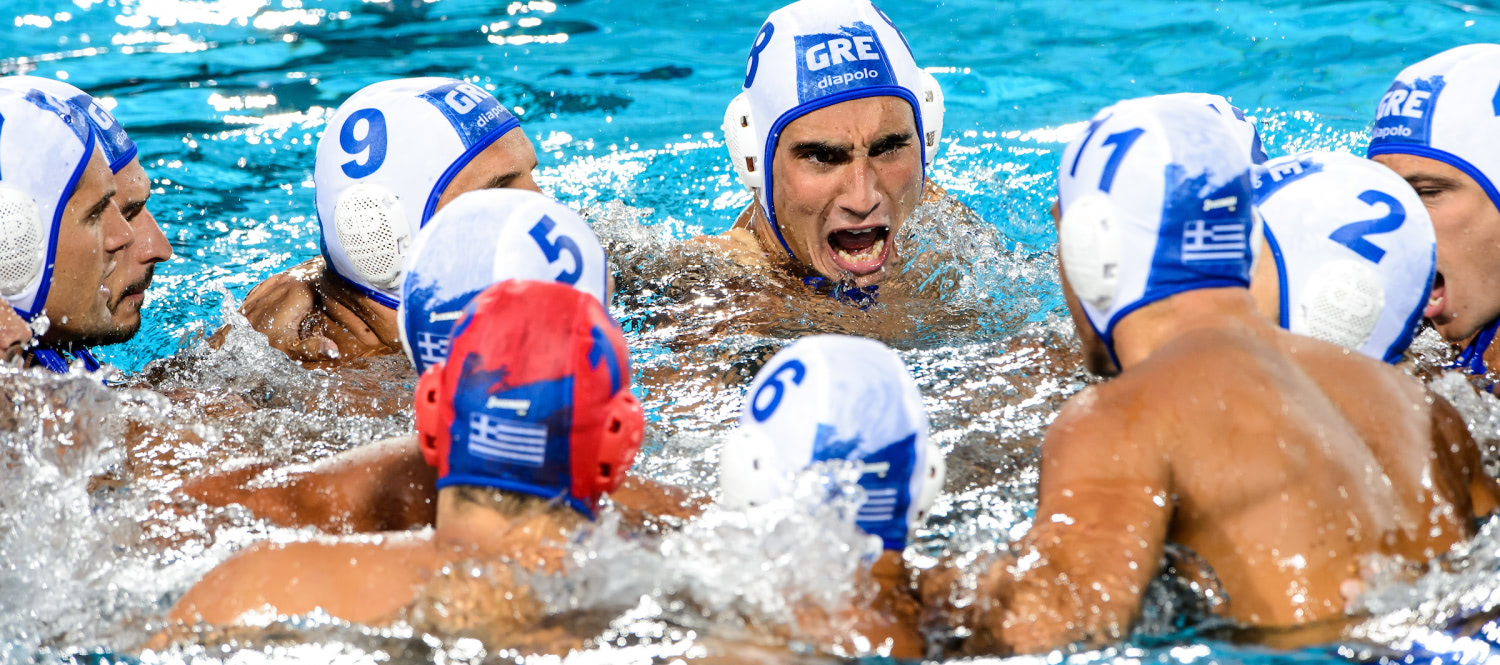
383	162
485	237
832	397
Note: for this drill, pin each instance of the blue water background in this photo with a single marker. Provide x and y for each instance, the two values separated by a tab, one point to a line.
227	98
623	101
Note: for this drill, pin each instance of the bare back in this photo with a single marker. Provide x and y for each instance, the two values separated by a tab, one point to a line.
1282	461
1292	459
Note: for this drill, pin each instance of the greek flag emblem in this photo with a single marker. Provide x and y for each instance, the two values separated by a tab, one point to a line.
880	505
1204	240
506	440
432	348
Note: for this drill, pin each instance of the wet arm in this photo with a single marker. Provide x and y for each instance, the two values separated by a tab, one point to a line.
1451	438
382	486
1097	540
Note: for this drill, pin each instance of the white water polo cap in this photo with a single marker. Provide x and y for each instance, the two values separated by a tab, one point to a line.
482	238
1156	201
1446	108
384	161
813	54
45	144
1243	126
1354	247
119	150
832	397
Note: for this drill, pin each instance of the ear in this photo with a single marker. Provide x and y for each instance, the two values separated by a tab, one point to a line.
620	442
430	404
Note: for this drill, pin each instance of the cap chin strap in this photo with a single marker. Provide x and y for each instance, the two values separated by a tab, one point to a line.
1089	241
1342	304
371	226
22	251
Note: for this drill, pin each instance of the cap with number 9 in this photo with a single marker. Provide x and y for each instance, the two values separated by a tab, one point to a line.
383	162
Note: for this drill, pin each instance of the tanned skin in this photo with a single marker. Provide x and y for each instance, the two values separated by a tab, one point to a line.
1281	460
316	317
370	580
853	165
1466	294
383	486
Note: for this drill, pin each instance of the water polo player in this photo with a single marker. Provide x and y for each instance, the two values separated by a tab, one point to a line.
527	425
1157	239
1438	126
835	398
482	238
64	236
392	155
135	265
1352	252
833	136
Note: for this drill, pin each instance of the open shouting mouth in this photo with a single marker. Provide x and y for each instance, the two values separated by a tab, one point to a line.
860	251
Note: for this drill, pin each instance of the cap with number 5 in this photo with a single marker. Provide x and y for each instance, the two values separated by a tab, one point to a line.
832	397
383	162
485	237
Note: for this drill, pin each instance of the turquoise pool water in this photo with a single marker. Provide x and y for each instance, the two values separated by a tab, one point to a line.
623	100
227	98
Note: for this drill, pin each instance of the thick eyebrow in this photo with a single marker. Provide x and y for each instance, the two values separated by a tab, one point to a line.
99	207
810	147
890	141
133	208
504	180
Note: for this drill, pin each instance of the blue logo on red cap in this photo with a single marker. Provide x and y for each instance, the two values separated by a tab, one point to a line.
1405	113
833	63
473	113
513	437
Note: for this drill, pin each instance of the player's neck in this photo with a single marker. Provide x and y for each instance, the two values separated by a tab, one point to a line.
1154	326
484	531
760	226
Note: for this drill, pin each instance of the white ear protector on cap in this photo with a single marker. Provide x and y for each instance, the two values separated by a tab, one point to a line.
745	152
739	139
1089	241
371	224
22	251
1341	303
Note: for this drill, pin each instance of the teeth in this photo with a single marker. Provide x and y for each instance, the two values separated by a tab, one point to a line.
859	233
868	255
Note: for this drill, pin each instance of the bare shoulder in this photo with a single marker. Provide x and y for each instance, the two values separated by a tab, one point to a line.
358	579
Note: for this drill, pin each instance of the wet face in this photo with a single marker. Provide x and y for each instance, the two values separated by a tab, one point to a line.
1466	292
846	177
91	239
14	333
507	163
136	264
1095	355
